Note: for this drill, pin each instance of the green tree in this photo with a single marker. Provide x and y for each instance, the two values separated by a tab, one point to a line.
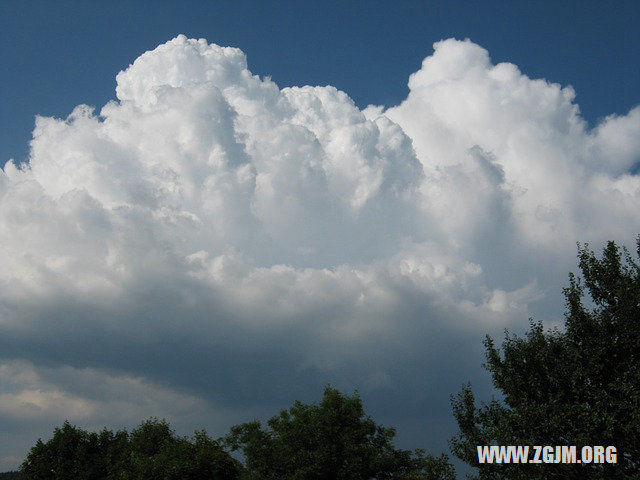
333	440
210	461
115	454
151	451
11	476
156	452
579	386
71	454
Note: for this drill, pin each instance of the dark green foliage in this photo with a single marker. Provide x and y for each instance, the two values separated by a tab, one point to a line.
72	454
11	476
580	386
157	453
152	451
333	440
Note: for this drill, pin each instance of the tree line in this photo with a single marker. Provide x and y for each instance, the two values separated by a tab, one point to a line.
333	439
576	386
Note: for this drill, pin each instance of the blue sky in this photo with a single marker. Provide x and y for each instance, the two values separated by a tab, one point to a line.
59	55
354	195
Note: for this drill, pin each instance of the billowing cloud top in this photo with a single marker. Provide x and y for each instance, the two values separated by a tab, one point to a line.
222	241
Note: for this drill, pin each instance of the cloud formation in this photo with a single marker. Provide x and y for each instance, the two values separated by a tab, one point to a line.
211	240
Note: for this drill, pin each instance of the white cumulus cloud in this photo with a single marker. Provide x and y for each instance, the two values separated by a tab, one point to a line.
210	237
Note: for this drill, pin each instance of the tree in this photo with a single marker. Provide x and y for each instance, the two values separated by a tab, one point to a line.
156	452
579	386
151	451
333	440
115	454
11	476
71	454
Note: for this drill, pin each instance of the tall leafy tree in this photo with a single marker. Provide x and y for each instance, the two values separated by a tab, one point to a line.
577	386
71	454
333	440
151	451
156	452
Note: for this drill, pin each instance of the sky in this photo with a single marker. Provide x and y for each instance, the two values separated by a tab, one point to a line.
211	209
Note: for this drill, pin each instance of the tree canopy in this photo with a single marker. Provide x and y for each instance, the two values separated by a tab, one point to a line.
11	476
333	440
577	386
151	451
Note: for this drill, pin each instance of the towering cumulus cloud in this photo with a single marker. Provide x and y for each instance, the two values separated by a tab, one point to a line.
210	246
